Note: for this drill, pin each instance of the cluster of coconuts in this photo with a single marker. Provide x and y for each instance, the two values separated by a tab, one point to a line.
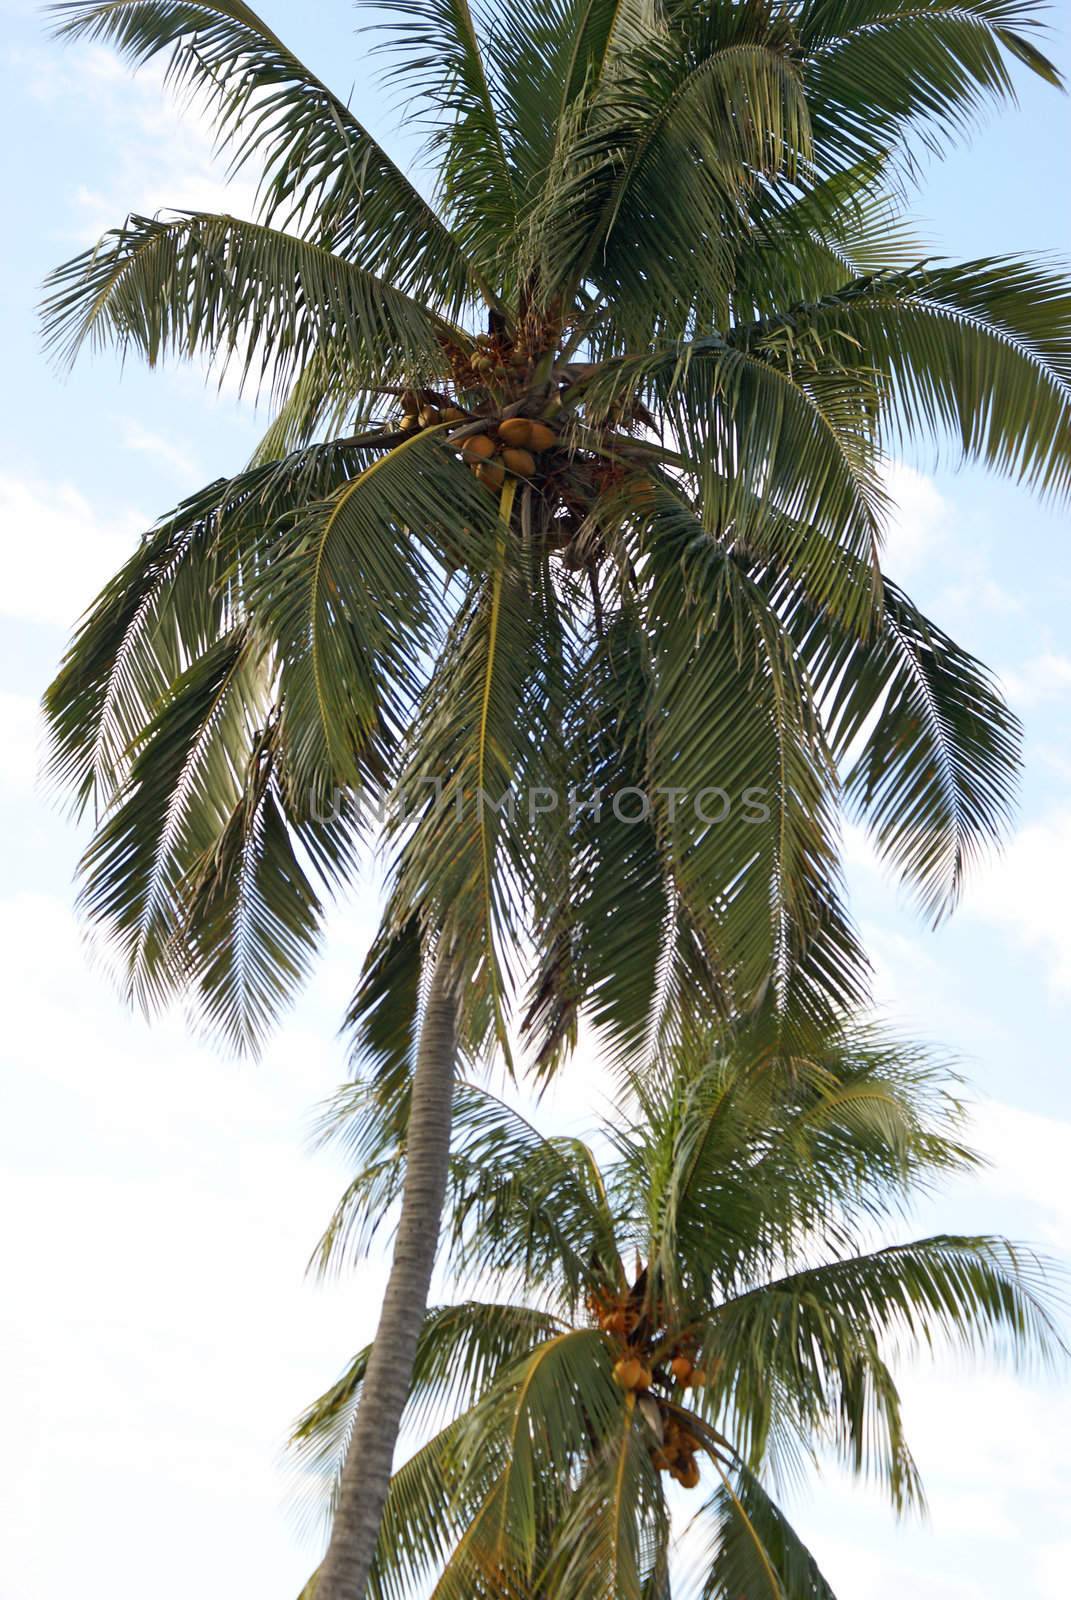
677	1452
512	448
428	416
494	360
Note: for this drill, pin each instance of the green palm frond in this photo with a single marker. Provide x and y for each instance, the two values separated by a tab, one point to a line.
673	141
179	592
472	748
348	599
598	1548
979	352
818	1336
879	73
238	291
731	718
381	1020
323	170
753	1549
442	57
167	817
761	442
935	777
251	918
461	1350
540	1413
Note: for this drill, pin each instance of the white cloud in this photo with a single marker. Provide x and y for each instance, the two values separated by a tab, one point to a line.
20	740
59	549
159	1334
1027	891
918	522
1030	1158
144	442
162	150
1043	677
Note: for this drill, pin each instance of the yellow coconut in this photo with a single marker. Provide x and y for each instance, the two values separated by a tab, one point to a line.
479	448
491	473
429	416
697	1379
515	431
681	1368
452	414
541	437
522	462
626	1371
409	421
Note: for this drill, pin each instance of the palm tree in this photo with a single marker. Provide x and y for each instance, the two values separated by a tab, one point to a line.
709	1302
663	310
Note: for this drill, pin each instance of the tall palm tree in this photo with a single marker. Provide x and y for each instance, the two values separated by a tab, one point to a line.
574	481
702	1296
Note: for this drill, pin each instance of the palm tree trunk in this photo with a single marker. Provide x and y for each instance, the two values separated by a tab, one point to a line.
343	1574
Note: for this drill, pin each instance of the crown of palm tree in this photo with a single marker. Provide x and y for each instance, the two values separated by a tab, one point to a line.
662	248
753	1331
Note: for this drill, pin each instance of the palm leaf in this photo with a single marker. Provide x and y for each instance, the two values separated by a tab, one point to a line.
324	171
237	291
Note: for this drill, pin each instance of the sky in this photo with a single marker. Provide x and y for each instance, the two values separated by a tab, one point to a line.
159	1202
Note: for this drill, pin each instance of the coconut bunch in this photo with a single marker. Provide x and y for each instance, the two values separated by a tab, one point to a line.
676	1455
656	1363
511	445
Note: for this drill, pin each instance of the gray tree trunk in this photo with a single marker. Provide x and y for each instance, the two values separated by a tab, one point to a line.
343	1574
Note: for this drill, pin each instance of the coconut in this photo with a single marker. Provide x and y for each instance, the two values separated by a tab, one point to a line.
698	1378
632	1373
515	431
479	448
429	416
491	473
522	462
410	420
541	437
687	1474
452	414
681	1368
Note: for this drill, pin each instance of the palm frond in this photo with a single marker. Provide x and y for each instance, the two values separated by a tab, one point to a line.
979	352
179	592
879	75
936	777
731	720
323	171
754	1549
818	1336
349	602
237	291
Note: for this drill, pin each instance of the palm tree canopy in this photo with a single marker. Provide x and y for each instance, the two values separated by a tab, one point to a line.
727	1242
663	248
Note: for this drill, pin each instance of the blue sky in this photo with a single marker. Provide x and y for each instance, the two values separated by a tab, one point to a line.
160	1203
